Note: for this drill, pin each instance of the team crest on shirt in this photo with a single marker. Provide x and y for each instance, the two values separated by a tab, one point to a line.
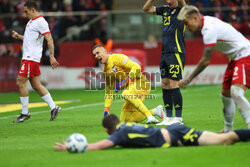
114	68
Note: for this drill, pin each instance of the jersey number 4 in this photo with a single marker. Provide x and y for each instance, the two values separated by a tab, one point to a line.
167	20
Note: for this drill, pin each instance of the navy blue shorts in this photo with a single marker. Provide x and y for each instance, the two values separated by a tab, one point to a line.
187	136
172	65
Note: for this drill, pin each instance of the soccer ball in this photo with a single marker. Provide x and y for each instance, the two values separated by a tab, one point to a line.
76	143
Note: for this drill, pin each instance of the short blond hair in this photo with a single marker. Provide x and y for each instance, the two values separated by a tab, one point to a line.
187	11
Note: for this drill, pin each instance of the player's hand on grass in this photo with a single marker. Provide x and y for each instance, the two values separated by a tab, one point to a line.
60	146
54	64
121	84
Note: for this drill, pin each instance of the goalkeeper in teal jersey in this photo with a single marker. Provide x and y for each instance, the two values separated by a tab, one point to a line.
136	135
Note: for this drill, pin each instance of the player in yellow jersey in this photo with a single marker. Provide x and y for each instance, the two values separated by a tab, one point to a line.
121	72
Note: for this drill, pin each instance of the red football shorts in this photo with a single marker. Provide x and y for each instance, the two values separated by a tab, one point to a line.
29	69
237	72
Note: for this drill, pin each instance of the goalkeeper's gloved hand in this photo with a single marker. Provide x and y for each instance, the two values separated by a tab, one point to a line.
106	111
119	85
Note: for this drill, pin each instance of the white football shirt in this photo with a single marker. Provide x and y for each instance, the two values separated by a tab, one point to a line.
33	38
225	38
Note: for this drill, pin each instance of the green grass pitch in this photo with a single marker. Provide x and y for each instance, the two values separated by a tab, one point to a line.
29	144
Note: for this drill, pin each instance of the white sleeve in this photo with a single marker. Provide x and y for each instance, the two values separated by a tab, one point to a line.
43	27
209	36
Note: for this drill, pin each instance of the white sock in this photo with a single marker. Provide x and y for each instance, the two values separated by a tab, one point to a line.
228	111
25	103
150	117
237	94
48	99
155	111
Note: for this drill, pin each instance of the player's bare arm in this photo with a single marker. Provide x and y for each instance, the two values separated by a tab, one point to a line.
16	35
149	8
92	146
109	86
101	145
203	63
53	62
181	3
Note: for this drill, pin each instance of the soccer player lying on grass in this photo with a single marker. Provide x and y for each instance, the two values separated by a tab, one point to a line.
120	70
226	39
136	135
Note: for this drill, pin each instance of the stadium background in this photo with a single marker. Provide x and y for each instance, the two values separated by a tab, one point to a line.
76	25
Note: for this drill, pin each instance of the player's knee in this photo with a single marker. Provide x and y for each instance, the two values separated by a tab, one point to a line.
230	139
20	82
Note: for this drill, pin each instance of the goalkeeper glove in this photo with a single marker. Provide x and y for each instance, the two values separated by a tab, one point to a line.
119	85
106	111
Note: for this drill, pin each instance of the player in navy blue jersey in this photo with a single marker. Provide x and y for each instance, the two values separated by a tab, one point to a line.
136	135
172	58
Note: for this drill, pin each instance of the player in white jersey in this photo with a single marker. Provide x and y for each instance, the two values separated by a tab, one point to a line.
223	37
36	30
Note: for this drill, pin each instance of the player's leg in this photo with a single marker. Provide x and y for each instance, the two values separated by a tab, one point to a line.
171	88
177	96
134	98
228	102
237	93
143	90
166	92
45	95
211	138
24	98
130	114
240	82
21	81
171	72
24	93
42	91
228	110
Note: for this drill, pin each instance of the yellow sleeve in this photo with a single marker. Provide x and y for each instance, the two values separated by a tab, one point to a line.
133	68
108	91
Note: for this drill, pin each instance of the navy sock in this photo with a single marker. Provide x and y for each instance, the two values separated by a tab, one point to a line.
168	101
177	100
244	134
